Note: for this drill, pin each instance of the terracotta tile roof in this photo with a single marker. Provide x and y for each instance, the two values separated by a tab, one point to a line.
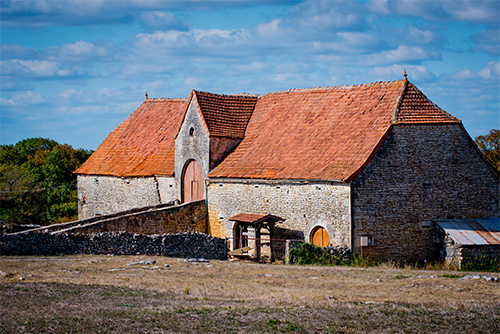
255	218
324	133
415	107
328	133
143	144
226	115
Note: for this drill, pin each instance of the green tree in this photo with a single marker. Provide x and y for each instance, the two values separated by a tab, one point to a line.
489	145
37	184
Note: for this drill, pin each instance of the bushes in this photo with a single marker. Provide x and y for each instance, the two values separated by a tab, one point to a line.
481	263
309	253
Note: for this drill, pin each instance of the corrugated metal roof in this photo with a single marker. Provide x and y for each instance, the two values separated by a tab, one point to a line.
472	231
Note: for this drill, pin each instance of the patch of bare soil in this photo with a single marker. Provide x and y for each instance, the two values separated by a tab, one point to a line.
121	294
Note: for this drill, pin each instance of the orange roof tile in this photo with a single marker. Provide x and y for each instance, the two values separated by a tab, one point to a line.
226	115
255	218
415	107
143	144
324	133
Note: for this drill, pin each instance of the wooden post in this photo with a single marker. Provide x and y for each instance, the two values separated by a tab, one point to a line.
271	237
257	242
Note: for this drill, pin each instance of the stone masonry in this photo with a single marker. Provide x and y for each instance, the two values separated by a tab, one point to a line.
420	173
188	217
192	143
101	195
304	205
186	245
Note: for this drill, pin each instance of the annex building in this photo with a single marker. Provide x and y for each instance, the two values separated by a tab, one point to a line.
368	166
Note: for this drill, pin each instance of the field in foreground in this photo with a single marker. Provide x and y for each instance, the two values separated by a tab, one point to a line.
118	294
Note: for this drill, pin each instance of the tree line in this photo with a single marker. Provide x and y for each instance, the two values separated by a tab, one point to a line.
37	183
489	145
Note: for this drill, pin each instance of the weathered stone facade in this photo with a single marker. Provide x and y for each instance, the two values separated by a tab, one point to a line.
304	205
421	172
101	195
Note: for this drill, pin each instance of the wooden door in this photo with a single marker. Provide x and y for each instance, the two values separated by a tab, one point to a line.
320	237
192	182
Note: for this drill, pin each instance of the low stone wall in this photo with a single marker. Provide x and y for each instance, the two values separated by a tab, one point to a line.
185	245
159	219
479	252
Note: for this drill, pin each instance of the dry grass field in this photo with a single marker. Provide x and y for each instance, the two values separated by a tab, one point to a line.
115	294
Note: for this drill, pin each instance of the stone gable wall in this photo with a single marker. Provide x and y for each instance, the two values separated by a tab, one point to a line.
420	173
304	205
192	143
102	195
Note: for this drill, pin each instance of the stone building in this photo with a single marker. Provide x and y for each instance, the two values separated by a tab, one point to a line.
367	166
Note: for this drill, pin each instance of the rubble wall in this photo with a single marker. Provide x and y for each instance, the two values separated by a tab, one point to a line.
184	245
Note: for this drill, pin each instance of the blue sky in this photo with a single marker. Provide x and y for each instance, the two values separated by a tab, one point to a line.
73	70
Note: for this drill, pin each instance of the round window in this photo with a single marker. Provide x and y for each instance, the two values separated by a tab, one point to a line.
191	132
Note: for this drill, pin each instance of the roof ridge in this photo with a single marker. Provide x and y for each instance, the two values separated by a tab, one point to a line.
309	89
153	99
395	113
227	95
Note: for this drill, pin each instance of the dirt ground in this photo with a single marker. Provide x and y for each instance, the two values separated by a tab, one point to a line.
119	294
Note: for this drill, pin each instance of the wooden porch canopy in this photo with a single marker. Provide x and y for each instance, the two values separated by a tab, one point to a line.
255	218
257	221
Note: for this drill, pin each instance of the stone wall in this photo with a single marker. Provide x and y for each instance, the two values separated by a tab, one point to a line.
187	217
303	204
476	253
420	173
163	218
101	195
186	245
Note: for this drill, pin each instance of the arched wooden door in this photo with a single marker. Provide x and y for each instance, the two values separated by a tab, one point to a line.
192	182
320	237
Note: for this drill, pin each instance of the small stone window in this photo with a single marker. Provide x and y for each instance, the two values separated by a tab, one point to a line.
191	131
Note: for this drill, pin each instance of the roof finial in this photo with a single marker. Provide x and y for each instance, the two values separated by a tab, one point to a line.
146	95
405	75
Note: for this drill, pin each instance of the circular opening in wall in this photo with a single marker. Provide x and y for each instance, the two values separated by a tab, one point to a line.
191	132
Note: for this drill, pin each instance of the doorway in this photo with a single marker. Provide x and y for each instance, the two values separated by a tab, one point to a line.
192	182
320	236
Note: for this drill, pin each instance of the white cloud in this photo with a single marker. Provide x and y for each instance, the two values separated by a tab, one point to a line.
21	99
403	54
477	11
39	68
488	41
161	20
417	73
490	72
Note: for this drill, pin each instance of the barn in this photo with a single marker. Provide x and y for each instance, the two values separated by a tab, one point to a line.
368	166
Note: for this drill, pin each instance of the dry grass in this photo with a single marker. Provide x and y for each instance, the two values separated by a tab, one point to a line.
94	294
